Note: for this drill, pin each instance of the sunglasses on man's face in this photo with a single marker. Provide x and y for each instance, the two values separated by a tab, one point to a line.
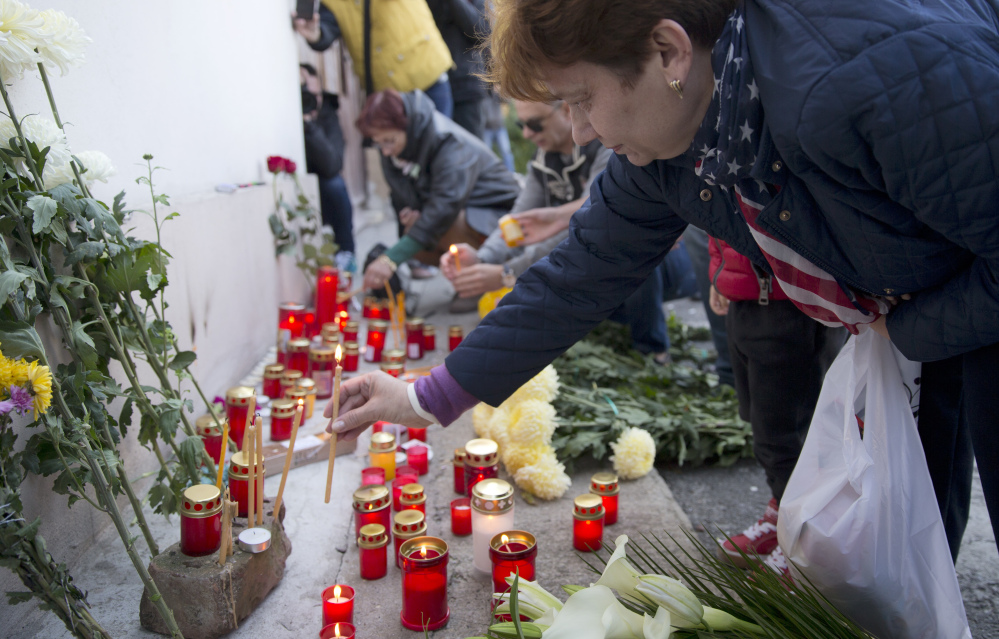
536	124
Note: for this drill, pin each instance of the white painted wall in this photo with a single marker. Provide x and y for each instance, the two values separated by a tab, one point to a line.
210	89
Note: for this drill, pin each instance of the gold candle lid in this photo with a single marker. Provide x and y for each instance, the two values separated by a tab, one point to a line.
331	342
459	457
392	367
429	329
283	408
481	452
322	353
411	549
273	371
351	348
604	484
382	442
299	345
208	427
412	494
377	326
297	393
238	396
373	497
409	523
203	500
414	323
516	536
330	328
455	331
351	326
588	506
492	496
372	536
369	300
239	465
291	377
394	355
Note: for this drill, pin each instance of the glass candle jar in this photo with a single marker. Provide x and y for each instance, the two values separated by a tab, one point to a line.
414	338
424	584
308	385
373	475
290	326
413	498
301	397
330	330
606	485
338	630
384	311
298	355
377	330
393	369
394	356
309	323
381	452
338	604
429	338
201	520
322	361
397	485
282	416
373	544
513	235
272	380
407	471
416	456
481	460
588	523
419	434
454	337
371	506
289	380
349	331
492	513
351	355
368	310
406	525
239	473
461	516
459	471
510	552
209	428
237	405
327	286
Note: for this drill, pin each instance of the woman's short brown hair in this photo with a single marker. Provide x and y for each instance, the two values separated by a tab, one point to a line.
382	111
610	33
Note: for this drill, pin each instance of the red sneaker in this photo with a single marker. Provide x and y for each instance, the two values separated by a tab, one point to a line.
778	563
759	540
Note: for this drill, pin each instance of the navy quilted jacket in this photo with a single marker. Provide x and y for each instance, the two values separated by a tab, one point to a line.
882	131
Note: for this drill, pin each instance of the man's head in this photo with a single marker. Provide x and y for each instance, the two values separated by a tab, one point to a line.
613	61
546	124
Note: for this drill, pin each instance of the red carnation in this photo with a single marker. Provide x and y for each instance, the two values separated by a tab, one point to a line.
276	163
289	166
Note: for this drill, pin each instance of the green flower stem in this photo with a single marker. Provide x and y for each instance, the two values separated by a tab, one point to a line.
156	224
58	121
36	177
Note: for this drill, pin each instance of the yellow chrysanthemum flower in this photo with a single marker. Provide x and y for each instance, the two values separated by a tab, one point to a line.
543	387
532	421
634	453
481	415
546	479
516	456
12	372
41	384
498	426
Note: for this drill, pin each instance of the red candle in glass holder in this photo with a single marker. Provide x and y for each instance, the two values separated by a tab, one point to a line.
351	355
272	380
429	338
588	523
289	380
290	326
369	308
209	428
424	584
606	485
298	355
393	369
371	506
459	471
417	458
338	630
237	405
397	485
461	517
342	317
417	433
384	312
239	472
414	338
338	604
322	361
373	542
412	497
201	520
513	551
375	341
481	461
327	286
309	323
454	337
349	330
406	525
373	475
407	470
282	416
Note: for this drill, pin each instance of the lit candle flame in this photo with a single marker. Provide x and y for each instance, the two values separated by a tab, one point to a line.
338	354
336	629
504	540
423	552
344	314
454	250
336	590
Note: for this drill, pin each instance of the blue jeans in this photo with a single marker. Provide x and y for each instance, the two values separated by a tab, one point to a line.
697	247
679	280
337	211
501	139
440	94
643	313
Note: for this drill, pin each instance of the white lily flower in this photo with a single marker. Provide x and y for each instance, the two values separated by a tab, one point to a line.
684	607
658	627
547	619
619	574
582	615
720	620
621	623
533	600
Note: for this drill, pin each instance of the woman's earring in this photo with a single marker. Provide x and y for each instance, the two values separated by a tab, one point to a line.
675	85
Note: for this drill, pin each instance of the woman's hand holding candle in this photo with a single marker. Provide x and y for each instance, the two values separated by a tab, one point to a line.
460	255
370	398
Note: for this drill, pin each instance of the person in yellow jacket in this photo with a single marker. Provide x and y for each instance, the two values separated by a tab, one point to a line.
393	44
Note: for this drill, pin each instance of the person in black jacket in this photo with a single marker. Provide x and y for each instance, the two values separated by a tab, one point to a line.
462	24
324	157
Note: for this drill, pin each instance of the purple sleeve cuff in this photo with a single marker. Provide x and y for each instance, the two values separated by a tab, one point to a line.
440	395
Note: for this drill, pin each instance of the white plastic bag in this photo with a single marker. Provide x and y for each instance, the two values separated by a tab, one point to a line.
859	517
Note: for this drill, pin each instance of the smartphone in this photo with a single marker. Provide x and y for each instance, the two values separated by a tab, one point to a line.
305	9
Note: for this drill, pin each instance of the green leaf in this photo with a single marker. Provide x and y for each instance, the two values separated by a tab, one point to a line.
16	597
20	340
309	251
154	280
85	251
44	209
182	360
10	281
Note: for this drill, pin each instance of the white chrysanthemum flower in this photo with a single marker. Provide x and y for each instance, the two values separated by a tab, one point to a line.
96	166
44	133
20	34
634	453
499	425
516	456
543	387
481	415
546	479
64	41
532	421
